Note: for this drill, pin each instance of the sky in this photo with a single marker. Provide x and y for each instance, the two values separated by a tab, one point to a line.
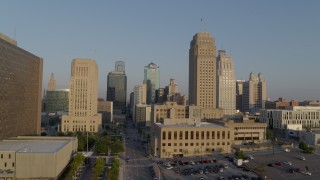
280	39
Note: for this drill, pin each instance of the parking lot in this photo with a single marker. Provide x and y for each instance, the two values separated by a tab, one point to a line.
277	167
211	167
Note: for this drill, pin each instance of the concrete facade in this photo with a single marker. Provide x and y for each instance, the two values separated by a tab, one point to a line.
226	84
140	97
143	115
106	110
21	90
254	93
307	116
83	98
35	157
310	137
189	137
202	71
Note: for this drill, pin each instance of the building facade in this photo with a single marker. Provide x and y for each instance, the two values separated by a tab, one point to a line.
307	116
152	80
140	97
189	137
202	71
20	90
226	84
239	94
117	88
254	93
280	104
83	98
143	115
52	83
35	157
105	108
57	100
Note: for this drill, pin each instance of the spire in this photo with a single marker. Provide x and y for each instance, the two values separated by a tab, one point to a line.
52	83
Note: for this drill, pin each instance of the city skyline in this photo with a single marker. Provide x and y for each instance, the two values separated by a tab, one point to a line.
278	39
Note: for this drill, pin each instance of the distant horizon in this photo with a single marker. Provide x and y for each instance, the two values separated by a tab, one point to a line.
278	39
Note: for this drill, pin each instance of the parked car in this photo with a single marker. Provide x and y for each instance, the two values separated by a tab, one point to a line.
287	150
279	163
288	163
302	158
250	157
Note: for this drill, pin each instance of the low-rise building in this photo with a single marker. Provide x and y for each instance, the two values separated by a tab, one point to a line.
35	157
310	137
189	137
307	116
280	104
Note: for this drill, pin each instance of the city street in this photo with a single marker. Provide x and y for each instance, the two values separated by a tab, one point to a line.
138	165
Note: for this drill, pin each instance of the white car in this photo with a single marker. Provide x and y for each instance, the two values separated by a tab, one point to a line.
287	150
288	163
192	163
167	164
169	167
302	158
306	173
250	157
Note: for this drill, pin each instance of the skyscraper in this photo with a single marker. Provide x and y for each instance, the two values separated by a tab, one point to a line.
226	84
51	83
152	80
83	98
202	71
20	90
140	97
117	88
239	93
254	93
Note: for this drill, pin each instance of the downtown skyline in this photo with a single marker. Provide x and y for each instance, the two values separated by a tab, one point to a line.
279	39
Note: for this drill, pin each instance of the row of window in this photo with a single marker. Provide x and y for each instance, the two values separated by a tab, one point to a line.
2	156
168	135
195	144
5	164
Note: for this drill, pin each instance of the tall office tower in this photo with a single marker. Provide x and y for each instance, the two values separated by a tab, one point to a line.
83	98
226	84
254	93
51	83
20	90
160	96
173	89
152	80
117	88
202	71
239	92
140	97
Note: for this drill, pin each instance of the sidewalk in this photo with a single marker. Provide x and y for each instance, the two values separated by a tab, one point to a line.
121	169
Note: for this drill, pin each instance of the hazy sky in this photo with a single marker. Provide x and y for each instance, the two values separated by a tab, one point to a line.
281	39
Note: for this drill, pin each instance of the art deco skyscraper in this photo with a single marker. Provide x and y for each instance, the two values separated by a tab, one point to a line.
254	93
20	90
117	88
202	71
83	98
51	83
152	80
226	84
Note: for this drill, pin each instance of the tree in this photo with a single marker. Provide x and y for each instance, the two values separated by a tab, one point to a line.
113	173
303	146
269	134
117	147
240	154
98	168
309	150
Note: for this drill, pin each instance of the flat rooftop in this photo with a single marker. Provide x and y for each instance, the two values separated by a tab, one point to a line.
198	125
25	146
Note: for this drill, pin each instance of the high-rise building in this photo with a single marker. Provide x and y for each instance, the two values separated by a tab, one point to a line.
117	88
83	98
140	97
20	90
57	100
202	71
152	80
239	92
254	93
51	83
226	84
173	88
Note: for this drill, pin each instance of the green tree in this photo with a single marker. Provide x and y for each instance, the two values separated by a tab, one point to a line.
309	150
303	145
117	146
113	173
102	145
240	154
98	168
269	134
